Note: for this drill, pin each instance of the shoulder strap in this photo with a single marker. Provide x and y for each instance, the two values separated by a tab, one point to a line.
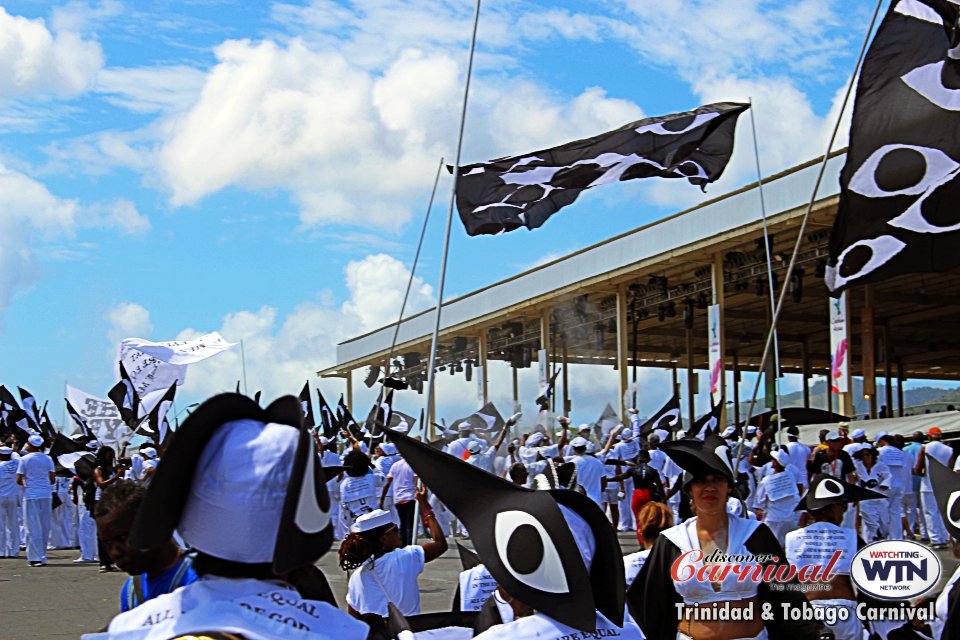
185	563
137	583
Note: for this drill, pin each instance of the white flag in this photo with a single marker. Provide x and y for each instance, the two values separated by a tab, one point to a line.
182	352
101	415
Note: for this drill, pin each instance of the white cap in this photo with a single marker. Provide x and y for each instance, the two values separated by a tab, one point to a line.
858	433
729	431
880	435
388	448
5	451
780	456
474	447
578	442
626	435
751	430
148	452
534	439
834	435
585	427
324	440
35	441
238	490
372	520
464	426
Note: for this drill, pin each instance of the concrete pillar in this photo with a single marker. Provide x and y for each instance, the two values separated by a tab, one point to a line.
736	388
805	365
716	276
622	383
349	380
565	410
482	361
691	410
899	388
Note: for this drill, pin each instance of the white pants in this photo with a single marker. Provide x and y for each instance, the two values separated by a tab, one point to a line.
781	528
891	517
850	518
9	527
36	517
931	514
849	629
87	534
911	506
870	516
627	521
63	531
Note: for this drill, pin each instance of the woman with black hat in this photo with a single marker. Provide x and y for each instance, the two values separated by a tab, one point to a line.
816	544
690	605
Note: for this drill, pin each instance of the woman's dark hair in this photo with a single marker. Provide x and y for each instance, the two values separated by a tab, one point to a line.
106	458
357	548
357	463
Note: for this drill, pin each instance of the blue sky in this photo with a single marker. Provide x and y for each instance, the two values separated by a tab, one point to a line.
261	169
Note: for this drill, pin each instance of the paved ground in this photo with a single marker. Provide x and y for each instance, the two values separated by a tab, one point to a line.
65	600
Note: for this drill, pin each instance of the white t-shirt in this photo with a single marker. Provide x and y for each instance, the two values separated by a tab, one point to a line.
8	478
939	451
633	563
458	446
798	454
36	467
357	496
777	495
394	573
540	627
589	472
403	484
255	608
896	461
476	587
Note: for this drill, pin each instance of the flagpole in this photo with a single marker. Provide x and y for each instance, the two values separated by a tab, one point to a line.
806	215
243	364
431	373
766	247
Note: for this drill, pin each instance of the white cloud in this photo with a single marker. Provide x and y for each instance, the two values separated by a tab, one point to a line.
128	320
36	62
377	284
120	214
151	90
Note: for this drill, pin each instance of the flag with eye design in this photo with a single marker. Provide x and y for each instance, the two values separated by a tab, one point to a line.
524	191
523	539
946	489
901	181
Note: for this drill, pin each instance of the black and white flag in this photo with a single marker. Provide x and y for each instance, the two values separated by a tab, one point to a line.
328	420
668	418
524	191
80	421
31	408
305	406
345	418
705	425
901	181
125	396
157	425
380	413
543	400
486	420
71	458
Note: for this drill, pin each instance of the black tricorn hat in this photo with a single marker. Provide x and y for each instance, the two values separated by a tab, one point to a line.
826	490
946	488
305	531
523	539
701	457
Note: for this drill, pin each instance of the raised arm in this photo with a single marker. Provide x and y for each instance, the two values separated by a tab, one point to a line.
438	543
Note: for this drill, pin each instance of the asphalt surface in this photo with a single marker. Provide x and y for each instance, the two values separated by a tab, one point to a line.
65	600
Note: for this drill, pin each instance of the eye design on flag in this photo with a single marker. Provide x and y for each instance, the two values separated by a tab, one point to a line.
660	128
828	489
953	508
309	517
927	80
881	249
528	553
913	219
668	419
690	169
893	161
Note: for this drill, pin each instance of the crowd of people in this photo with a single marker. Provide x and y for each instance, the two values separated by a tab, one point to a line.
221	532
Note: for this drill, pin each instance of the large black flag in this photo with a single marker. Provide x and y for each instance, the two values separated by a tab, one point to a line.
668	418
543	400
71	458
31	408
380	413
306	407
328	419
80	421
707	424
157	425
125	396
901	182
345	418
523	191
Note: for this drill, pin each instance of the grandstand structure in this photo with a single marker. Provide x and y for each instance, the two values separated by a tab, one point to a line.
639	299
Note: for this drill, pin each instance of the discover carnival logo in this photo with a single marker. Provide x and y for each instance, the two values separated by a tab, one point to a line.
895	569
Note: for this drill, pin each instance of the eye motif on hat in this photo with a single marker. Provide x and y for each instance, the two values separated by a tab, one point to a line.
953	509
723	452
526	550
829	488
309	517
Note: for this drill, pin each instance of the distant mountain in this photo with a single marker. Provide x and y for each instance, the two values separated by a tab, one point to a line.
911	397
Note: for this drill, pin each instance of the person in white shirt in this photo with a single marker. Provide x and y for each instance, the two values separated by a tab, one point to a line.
798	454
892	521
777	495
589	470
384	569
875	476
9	504
942	453
35	474
326	451
859	437
459	446
358	488
627	450
404	483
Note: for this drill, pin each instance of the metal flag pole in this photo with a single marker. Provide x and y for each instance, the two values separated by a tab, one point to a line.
806	214
767	249
431	373
243	364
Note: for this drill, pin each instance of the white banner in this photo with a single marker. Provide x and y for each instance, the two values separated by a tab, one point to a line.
542	367
715	350
155	366
478	374
101	415
182	351
839	345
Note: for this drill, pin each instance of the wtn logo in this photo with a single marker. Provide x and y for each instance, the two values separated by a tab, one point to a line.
895	569
901	569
